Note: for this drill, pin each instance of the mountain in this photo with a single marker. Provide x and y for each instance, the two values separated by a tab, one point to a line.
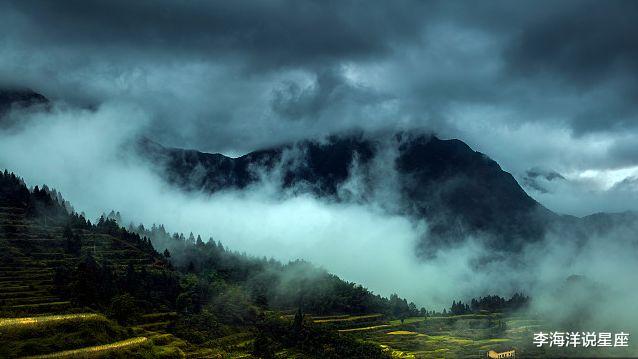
19	98
13	99
458	190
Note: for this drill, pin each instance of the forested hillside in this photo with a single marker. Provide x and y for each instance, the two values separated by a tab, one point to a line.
195	298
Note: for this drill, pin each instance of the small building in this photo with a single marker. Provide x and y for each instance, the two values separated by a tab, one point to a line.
505	354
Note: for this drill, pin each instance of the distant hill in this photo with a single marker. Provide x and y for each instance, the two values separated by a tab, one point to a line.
19	98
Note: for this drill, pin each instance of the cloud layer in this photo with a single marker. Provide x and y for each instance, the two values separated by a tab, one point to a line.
530	84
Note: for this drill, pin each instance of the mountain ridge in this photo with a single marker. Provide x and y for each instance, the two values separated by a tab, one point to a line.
459	191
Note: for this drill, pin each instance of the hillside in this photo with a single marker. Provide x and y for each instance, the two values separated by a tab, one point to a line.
70	287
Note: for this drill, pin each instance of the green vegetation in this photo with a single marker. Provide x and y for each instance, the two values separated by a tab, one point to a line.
72	288
22	337
490	303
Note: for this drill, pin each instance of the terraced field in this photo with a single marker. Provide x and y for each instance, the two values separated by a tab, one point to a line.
95	351
31	250
35	322
434	337
463	336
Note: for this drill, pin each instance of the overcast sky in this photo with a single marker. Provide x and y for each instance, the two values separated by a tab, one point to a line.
549	85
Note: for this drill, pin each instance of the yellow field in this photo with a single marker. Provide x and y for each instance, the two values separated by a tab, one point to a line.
27	321
94	351
365	328
388	324
348	318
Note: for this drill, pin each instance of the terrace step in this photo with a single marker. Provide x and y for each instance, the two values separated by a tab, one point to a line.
24	288
46	307
95	351
55	318
8	216
155	326
202	353
22	294
52	256
26	271
30	300
28	282
56	262
4	208
26	276
155	317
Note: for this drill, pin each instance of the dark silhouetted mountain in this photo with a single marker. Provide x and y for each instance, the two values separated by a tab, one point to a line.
19	98
459	191
15	99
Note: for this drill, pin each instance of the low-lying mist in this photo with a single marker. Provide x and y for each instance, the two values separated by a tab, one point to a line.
86	155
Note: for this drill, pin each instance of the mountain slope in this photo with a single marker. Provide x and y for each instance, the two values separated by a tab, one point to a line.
459	191
19	98
219	303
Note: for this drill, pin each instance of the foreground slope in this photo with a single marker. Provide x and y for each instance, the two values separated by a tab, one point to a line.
71	288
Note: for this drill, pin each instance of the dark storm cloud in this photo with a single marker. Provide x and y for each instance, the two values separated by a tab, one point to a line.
584	43
330	88
625	151
587	47
235	76
207	71
272	33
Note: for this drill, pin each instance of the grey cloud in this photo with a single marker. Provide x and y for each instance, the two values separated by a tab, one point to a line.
330	89
584	42
625	151
276	33
629	184
225	76
587	49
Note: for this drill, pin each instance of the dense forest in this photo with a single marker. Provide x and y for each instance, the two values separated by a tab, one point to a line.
490	303
267	282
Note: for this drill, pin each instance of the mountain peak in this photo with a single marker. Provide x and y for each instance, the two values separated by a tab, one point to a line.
19	97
